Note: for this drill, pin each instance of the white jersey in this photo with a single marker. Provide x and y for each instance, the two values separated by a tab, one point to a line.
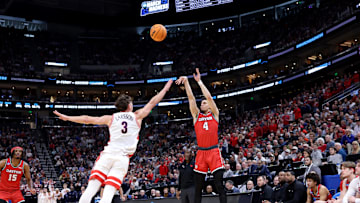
124	134
354	188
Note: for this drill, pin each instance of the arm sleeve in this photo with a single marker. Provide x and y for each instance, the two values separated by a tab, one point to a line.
351	191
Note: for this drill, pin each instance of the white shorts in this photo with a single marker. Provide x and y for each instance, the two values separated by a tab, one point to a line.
110	169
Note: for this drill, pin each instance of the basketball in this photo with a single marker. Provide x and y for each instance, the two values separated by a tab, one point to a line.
158	32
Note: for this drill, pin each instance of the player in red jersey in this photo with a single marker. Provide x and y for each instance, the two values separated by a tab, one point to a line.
316	192
12	169
206	122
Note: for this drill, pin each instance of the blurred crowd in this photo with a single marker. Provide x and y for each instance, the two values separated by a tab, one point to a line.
26	56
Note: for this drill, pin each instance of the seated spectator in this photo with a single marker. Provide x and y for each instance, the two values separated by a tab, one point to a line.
142	195
228	172
262	170
299	157
321	144
209	190
230	188
266	191
347	139
355	147
172	192
329	142
309	168
340	150
249	187
158	195
333	157
295	191
166	192
280	189
238	170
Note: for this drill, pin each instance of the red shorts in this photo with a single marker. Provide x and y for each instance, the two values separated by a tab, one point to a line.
206	159
15	196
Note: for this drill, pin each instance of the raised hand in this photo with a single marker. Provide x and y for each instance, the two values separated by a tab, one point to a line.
181	80
197	77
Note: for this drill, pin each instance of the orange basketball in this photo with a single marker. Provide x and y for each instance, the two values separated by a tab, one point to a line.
158	32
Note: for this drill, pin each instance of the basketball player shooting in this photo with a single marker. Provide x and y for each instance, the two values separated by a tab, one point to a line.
206	122
13	169
112	164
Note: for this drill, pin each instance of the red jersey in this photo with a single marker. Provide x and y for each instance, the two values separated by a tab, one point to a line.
316	196
206	129
11	176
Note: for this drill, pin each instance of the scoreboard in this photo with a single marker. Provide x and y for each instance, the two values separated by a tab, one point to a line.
188	5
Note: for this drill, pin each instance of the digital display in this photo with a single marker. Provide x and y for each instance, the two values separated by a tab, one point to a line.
188	5
154	6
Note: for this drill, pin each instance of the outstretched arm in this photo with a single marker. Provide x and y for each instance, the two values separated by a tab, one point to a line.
102	120
207	95
192	101
143	112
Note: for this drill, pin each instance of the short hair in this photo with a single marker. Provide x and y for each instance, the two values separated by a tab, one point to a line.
348	164
263	177
230	182
313	176
321	139
122	102
309	158
291	172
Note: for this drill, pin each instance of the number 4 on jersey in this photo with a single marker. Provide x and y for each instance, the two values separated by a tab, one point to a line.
205	126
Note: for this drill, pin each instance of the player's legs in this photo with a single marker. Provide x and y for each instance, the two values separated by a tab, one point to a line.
97	178
4	196
218	175
91	190
17	197
114	177
201	169
108	194
199	185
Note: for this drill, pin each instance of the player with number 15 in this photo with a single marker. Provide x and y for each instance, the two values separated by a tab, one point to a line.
206	122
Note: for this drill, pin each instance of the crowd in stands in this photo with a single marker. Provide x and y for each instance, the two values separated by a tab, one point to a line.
26	56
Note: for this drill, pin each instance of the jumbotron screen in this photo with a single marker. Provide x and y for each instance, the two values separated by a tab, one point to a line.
188	5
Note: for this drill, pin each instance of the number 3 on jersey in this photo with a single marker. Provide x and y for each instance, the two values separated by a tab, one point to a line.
12	177
206	126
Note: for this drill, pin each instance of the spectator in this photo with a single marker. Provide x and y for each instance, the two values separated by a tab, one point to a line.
209	190
228	172
279	190
266	191
238	170
230	188
347	139
334	157
158	195
329	142
340	150
355	147
295	191
309	168
142	195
